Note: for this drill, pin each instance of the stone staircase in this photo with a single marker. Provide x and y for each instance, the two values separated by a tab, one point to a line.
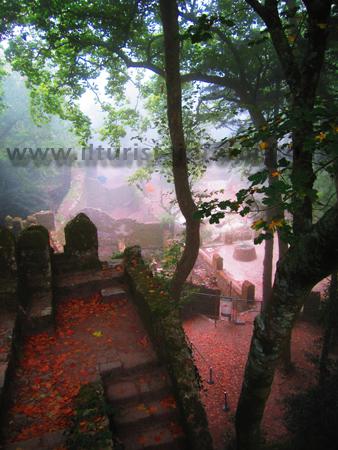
137	388
144	412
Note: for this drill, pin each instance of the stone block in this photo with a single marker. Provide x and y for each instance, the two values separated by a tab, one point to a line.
31	220
46	219
8	270
122	391
217	261
17	226
35	272
110	368
82	243
248	291
112	293
244	252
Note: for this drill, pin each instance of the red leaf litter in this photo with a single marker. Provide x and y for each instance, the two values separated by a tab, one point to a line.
53	367
225	348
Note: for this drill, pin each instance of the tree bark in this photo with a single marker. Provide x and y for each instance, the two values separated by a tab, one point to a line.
311	259
270	162
267	270
330	323
169	17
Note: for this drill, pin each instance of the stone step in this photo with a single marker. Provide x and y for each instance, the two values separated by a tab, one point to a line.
138	415
114	263
113	293
128	364
166	436
48	441
86	282
138	362
139	387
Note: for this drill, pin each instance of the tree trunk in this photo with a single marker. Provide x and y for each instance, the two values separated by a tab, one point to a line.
315	254
286	355
169	17
308	261
331	321
270	162
267	271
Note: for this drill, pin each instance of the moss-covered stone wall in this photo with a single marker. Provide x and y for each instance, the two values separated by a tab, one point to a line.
34	260
8	271
161	317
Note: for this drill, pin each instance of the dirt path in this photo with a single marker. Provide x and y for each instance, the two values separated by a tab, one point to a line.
225	348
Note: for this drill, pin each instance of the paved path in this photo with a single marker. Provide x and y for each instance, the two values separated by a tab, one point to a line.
94	337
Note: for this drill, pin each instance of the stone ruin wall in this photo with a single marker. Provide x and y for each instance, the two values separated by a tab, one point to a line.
113	234
229	287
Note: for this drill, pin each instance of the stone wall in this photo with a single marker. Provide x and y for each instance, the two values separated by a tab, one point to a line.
165	329
81	247
35	277
202	300
116	234
18	224
227	284
8	271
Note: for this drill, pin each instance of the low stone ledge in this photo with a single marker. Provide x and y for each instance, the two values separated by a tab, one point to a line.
164	326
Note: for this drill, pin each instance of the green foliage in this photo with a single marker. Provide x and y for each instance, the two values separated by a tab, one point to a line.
90	425
171	256
283	191
115	122
196	134
155	289
28	185
117	255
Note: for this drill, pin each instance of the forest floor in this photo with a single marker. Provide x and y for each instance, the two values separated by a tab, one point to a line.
225	348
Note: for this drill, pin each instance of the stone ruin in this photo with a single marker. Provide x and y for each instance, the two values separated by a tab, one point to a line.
116	234
81	247
35	275
8	271
18	224
28	271
226	233
244	251
28	263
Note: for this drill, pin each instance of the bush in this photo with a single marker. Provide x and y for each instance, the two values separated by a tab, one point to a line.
90	428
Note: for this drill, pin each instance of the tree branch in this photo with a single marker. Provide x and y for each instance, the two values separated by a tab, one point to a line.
140	64
269	14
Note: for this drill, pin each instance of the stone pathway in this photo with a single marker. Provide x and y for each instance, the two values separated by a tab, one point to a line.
95	338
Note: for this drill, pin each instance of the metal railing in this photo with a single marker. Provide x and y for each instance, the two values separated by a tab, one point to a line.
212	375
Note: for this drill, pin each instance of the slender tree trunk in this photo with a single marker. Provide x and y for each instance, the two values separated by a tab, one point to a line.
267	270
331	322
282	246
315	255
311	259
169	17
270	162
